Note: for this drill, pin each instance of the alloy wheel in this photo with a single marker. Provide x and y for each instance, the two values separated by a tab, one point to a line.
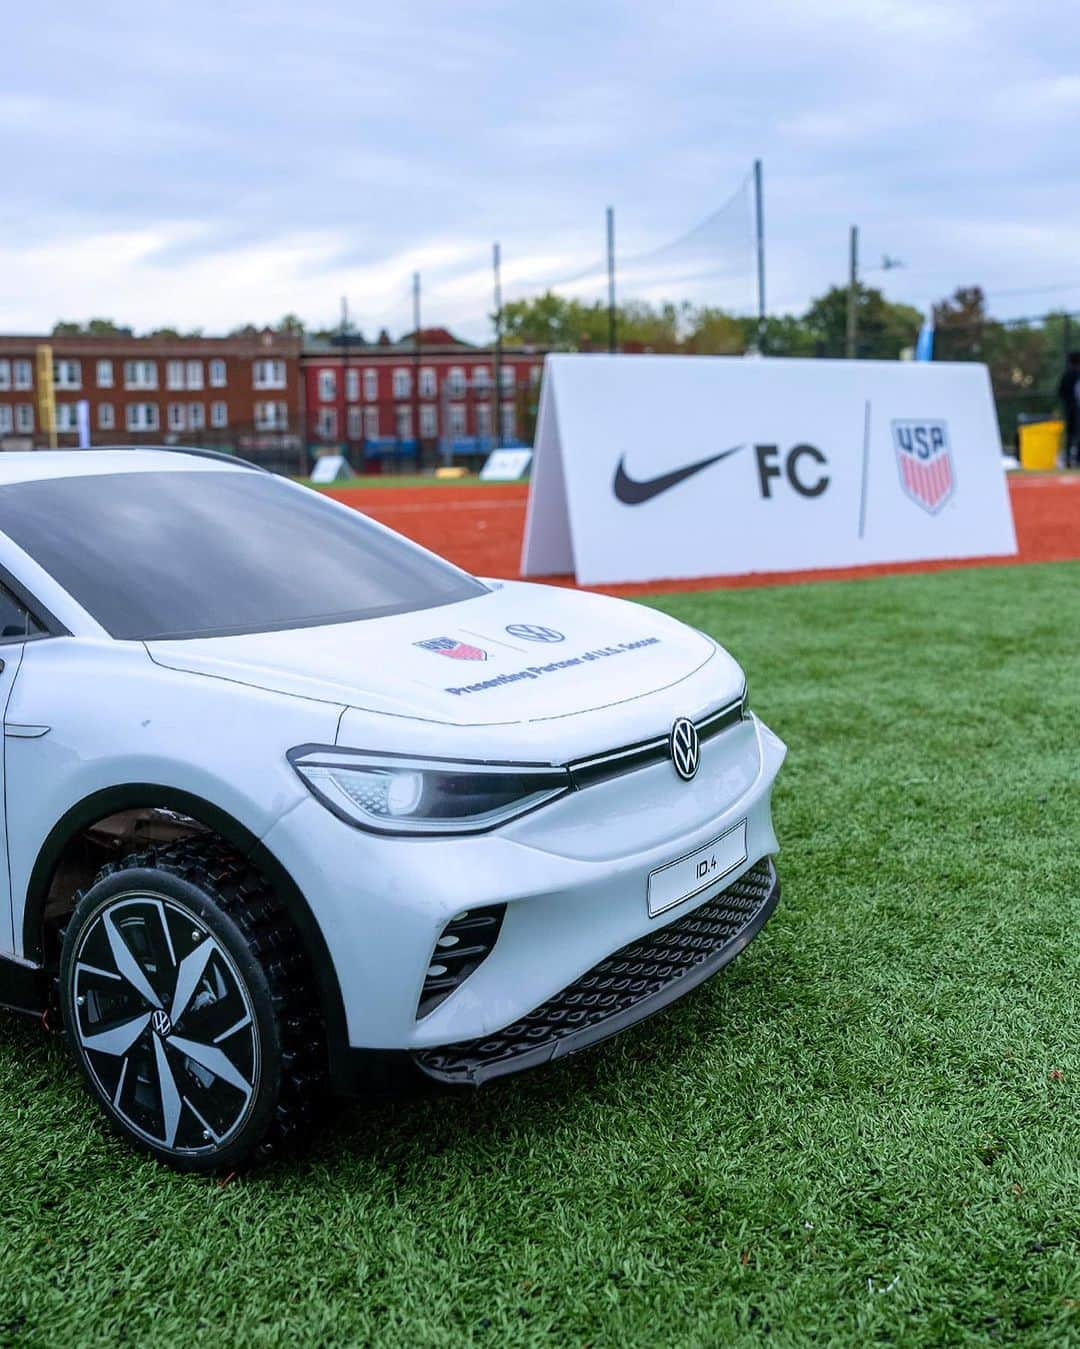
165	1023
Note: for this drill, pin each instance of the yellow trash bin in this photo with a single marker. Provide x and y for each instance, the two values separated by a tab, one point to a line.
1039	444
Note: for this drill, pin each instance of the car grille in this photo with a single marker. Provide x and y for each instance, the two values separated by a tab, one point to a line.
616	762
633	983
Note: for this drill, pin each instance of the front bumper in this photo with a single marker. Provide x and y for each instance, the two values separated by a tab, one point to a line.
634	983
573	877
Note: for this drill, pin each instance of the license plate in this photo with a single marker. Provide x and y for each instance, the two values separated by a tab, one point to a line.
681	880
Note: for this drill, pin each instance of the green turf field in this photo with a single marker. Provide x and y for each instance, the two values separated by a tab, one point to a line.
867	1131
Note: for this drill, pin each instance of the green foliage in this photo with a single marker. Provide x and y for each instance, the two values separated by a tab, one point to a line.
560	324
865	1132
883	329
96	327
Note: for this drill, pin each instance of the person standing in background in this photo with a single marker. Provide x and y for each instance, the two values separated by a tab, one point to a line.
1069	393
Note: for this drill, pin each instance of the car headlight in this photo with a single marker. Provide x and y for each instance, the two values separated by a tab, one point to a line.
401	794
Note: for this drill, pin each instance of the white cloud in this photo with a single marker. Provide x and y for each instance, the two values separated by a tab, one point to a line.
327	149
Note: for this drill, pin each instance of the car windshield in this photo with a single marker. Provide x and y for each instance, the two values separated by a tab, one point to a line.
209	553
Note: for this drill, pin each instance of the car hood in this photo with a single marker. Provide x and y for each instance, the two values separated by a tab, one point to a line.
519	653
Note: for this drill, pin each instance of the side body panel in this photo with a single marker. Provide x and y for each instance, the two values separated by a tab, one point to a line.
115	719
10	656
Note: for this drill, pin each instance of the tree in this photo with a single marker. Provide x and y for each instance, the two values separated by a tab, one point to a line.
96	327
884	328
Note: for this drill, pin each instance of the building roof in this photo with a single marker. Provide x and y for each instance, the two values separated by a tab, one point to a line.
264	343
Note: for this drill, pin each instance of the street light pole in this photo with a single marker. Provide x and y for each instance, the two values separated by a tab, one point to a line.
853	296
496	262
416	366
759	229
612	335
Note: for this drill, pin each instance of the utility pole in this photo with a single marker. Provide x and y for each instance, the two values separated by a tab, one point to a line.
611	329
416	364
343	391
496	260
759	222
853	296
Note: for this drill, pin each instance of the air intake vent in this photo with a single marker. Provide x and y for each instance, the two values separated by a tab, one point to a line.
465	943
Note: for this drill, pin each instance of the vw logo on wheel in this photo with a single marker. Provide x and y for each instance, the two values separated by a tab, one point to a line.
685	748
161	1023
533	632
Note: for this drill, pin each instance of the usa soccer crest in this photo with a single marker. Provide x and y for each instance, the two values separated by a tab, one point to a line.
925	462
447	646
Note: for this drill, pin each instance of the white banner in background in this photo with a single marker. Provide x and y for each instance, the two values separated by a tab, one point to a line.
649	467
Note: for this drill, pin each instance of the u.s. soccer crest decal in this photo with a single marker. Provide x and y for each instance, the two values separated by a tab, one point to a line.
925	462
449	646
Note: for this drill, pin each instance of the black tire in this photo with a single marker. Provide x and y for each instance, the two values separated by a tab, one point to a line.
192	931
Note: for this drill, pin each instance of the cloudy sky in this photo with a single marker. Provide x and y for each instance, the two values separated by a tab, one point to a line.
206	163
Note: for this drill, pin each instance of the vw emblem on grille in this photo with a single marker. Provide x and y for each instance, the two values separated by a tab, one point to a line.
685	748
161	1023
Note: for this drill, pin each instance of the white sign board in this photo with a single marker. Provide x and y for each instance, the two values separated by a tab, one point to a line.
506	465
330	468
653	467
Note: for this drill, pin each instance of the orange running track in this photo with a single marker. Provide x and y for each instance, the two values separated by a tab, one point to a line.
480	528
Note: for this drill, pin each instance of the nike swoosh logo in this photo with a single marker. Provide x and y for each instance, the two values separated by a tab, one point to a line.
634	491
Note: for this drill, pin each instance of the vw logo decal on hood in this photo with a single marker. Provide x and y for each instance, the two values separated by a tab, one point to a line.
685	748
533	632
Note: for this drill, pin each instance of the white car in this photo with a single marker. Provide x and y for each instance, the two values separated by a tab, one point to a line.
293	805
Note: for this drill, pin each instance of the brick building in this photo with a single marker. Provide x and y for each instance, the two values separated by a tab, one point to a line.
243	394
423	402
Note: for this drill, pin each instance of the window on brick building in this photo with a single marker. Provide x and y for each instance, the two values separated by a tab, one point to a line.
194	373
508	421
326	424
429	421
219	412
176	417
428	383
371	423
457	420
5	374
141	375
371	385
269	374
142	416
356	423
24	418
67	374
174	374
327	386
7	419
402	383
104	374
66	417
218	374
197	416
481	378
455	381
275	417
403	423
352	385
106	417
483	420
23	374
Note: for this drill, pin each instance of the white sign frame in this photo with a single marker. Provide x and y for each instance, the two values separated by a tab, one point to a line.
796	465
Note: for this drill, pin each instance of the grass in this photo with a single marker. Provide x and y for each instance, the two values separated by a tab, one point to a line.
867	1131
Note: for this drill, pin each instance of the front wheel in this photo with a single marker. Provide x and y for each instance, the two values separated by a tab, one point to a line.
190	1008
